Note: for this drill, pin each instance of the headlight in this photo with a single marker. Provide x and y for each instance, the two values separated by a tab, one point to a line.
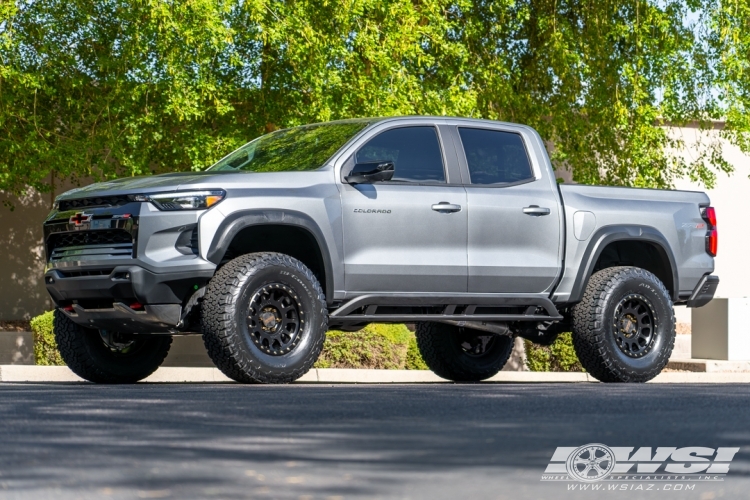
187	200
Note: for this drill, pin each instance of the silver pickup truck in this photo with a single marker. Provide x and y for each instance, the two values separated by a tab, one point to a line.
456	225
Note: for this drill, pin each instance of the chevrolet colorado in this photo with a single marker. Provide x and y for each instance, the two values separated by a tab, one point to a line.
457	225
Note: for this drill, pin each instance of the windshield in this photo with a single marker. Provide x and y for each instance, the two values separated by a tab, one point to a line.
300	148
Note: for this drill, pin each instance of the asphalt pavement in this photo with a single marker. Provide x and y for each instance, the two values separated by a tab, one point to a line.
448	441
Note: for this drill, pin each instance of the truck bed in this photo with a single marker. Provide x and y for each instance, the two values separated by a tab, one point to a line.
674	214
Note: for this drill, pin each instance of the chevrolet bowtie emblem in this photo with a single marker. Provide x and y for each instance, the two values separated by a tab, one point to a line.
80	218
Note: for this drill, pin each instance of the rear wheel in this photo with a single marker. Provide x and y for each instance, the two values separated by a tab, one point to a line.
108	357
624	328
461	354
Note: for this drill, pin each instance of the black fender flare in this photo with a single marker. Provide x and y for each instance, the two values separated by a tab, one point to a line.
237	221
608	234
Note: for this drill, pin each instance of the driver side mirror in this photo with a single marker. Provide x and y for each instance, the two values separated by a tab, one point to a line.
364	173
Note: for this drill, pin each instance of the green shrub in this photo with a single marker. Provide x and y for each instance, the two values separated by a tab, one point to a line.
45	347
379	346
558	357
414	359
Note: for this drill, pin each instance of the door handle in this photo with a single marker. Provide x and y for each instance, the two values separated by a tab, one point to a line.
536	210
444	206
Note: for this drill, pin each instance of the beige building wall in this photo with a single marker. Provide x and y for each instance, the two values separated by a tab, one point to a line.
22	291
731	198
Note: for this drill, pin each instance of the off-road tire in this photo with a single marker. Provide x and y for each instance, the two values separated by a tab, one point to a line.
86	354
440	346
224	313
594	332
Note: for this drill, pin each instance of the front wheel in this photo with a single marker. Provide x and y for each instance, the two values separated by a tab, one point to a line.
624	328
461	354
264	319
108	357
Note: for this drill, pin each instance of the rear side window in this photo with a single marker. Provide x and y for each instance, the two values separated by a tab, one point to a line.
495	157
414	151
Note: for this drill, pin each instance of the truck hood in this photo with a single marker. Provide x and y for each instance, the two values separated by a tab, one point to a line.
136	185
190	180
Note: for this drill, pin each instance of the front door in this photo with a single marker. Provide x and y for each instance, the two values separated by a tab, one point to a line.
514	216
408	234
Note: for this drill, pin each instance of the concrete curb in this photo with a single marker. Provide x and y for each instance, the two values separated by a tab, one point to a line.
709	365
26	373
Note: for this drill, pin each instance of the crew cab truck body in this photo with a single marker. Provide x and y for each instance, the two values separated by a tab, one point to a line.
457	225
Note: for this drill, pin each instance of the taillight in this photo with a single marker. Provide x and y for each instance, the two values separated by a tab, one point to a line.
710	216
712	238
712	242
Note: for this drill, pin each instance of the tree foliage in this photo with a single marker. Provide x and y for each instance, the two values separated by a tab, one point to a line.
123	87
728	55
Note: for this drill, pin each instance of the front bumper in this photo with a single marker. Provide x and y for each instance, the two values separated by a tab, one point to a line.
704	291
103	301
124	284
121	318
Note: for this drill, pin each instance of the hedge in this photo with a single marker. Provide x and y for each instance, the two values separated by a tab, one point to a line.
45	347
558	357
379	346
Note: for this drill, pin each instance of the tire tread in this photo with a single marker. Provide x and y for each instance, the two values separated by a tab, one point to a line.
433	343
221	335
73	349
589	326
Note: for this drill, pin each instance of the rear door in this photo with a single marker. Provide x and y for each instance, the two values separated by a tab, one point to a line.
514	213
408	234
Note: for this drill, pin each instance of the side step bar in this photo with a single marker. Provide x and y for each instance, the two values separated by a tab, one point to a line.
406	307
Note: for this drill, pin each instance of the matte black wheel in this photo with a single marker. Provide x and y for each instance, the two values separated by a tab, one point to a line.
461	354
623	329
264	319
108	357
634	325
274	319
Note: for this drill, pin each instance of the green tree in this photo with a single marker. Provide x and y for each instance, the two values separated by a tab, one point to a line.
598	80
124	87
727	56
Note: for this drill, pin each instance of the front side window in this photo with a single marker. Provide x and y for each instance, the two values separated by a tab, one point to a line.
495	157
414	151
300	148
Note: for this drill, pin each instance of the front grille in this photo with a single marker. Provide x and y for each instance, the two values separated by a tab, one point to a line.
86	238
103	244
78	274
100	201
